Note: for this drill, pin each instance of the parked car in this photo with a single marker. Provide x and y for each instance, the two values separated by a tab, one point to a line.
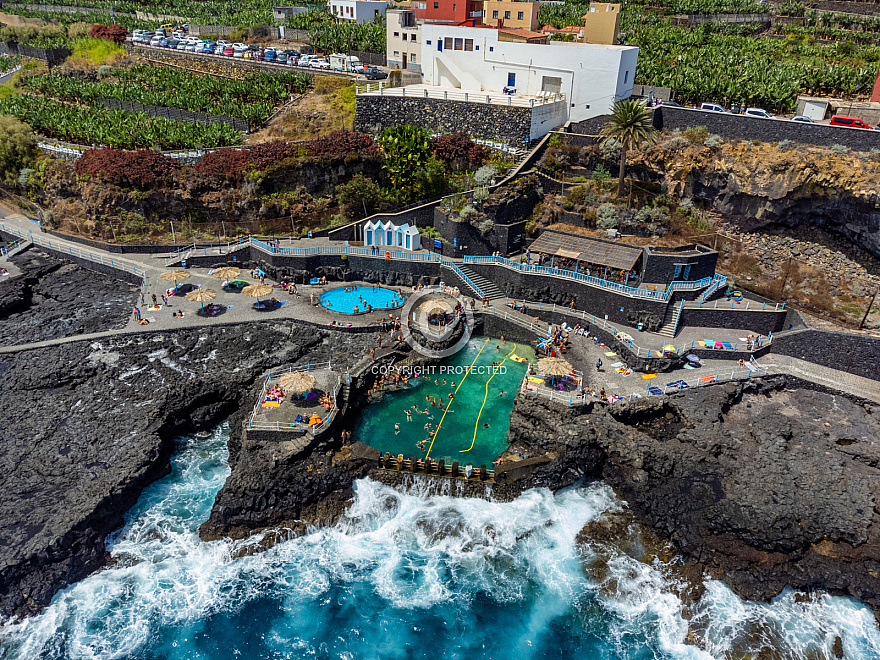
671	104
223	42
852	122
173	43
269	55
758	112
803	118
239	49
164	43
373	73
281	58
319	64
228	51
712	107
303	60
182	44
208	46
154	41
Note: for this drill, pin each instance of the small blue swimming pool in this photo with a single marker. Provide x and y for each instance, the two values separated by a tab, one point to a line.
354	299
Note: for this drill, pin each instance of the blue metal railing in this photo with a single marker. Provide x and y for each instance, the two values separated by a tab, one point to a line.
719	281
451	265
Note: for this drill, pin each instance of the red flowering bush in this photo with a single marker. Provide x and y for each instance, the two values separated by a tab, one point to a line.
114	33
458	150
236	161
341	143
120	167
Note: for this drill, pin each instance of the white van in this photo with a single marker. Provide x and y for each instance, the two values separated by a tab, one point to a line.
342	62
712	107
758	112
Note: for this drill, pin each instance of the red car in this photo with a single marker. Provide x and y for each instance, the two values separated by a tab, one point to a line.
228	51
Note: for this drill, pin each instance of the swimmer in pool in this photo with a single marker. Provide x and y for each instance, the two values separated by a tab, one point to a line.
502	393
452	384
451	396
408	415
435	382
444	381
485	426
396	428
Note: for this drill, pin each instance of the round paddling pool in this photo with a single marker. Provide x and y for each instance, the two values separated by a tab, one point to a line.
354	299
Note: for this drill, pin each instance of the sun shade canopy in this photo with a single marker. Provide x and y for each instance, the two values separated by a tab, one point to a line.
613	255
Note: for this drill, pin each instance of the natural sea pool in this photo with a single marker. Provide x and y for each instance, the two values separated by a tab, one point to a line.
474	430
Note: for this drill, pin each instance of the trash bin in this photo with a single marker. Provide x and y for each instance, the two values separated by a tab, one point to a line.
183	264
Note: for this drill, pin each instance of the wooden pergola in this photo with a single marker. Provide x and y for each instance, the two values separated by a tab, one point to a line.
583	250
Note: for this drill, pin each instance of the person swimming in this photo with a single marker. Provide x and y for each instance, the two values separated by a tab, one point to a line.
444	381
452	384
408	415
396	428
486	425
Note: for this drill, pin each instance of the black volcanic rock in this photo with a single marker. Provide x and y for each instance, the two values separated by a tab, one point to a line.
759	484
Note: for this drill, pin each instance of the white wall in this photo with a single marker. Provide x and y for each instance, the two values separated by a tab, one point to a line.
413	49
593	76
361	11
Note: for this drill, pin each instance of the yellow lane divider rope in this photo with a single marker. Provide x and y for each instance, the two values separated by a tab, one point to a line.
485	396
437	430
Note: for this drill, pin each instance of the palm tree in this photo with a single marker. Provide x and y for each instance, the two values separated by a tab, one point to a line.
630	125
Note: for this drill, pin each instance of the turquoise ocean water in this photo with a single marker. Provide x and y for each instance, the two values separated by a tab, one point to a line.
404	574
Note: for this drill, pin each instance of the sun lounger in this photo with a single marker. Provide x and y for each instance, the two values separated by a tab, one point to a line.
656	391
709	378
709	342
727	345
271	404
718	344
649	376
678	384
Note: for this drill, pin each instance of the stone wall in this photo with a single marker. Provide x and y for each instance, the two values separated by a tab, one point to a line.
464	238
752	320
852	353
659	266
503	123
766	130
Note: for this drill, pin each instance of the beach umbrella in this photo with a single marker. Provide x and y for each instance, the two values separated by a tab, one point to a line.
693	358
297	382
554	367
257	291
174	275
201	295
669	348
226	273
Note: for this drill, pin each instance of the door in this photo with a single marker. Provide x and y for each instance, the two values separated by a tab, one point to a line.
404	61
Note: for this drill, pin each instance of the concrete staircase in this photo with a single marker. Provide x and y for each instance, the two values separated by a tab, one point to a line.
487	286
670	320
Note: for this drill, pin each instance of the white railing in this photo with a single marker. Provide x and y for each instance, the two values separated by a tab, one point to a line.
640	351
65	248
326	420
578	398
490	98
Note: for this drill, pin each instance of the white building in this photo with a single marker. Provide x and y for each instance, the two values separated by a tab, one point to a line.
359	11
590	77
403	40
388	235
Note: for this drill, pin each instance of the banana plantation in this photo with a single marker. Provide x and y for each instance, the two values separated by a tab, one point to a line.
255	98
115	128
327	36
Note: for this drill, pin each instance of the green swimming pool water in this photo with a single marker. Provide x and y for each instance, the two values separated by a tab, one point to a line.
463	435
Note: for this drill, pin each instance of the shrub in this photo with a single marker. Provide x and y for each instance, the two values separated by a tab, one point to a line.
696	134
24	176
787	145
17	148
484	175
457	149
467	212
481	195
120	167
600	174
687	204
676	142
577	195
486	226
611	150
114	33
360	194
606	217
341	143
652	215
713	141
839	149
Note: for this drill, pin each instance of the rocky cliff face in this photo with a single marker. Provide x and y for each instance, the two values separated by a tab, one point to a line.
763	185
758	484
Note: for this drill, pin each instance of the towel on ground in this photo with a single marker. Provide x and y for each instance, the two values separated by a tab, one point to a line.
647	376
618	364
611	354
271	404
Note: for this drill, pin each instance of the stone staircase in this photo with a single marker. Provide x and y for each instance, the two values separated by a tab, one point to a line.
670	320
487	286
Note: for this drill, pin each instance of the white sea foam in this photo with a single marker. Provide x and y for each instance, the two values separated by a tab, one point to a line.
394	559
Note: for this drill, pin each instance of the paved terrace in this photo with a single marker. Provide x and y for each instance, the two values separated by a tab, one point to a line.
300	308
458	94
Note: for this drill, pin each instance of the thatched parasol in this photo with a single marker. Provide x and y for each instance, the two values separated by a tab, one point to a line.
174	275
554	367
297	382
226	273
201	295
434	307
257	290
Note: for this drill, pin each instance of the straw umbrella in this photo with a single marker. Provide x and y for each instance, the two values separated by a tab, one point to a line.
298	382
257	291
226	273
554	367
201	295
174	275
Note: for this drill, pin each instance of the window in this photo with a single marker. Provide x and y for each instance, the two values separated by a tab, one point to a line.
476	48
677	271
412	37
397	34
491	49
468	44
687	272
453	7
519	15
429	42
507	14
436	5
447	43
625	77
459	44
495	13
592	9
396	53
412	58
511	80
334	9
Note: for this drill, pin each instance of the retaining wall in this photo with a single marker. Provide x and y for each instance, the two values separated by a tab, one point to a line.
177	114
766	130
852	353
507	124
753	320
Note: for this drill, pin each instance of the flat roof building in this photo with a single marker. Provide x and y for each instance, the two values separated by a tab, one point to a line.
357	11
511	14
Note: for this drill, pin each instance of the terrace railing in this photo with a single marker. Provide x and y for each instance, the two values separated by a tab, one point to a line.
451	265
633	292
327	419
